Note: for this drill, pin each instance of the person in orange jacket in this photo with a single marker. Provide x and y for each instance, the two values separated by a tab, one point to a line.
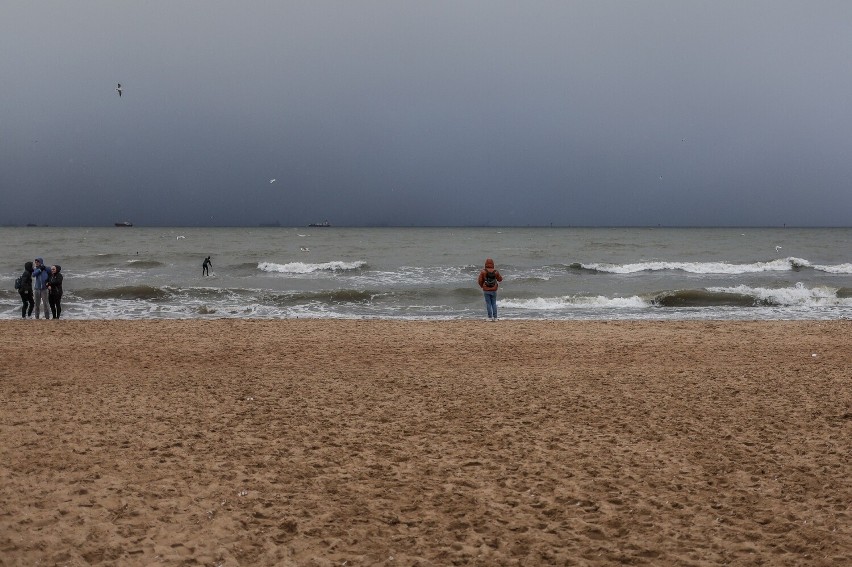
489	281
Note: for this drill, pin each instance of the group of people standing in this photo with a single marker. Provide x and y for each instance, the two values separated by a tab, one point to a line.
39	288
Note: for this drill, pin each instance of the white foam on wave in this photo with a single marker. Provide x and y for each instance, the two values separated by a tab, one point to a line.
796	296
306	268
121	273
838	269
780	265
575	302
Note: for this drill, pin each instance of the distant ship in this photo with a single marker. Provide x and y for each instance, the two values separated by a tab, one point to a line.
320	224
125	223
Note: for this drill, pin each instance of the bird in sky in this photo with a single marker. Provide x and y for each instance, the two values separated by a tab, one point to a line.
272	180
118	89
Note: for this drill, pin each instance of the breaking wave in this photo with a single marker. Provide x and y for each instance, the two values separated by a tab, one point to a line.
780	265
798	295
739	296
305	268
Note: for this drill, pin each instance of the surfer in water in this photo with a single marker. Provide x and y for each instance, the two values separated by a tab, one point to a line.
205	267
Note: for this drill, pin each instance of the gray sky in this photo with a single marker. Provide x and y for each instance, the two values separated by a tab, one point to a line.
426	113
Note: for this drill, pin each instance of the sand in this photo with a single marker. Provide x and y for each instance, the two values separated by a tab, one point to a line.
240	442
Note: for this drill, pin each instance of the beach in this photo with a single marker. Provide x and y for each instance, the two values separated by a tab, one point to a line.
376	442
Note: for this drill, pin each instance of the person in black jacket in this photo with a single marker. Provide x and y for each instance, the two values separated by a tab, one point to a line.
54	290
26	291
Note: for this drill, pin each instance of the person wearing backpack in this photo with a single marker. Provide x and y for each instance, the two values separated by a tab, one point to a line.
25	289
489	281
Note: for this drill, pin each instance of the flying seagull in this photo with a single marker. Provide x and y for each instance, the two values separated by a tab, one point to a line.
118	89
272	180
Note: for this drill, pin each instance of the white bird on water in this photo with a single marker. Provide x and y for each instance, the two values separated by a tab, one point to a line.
777	248
118	89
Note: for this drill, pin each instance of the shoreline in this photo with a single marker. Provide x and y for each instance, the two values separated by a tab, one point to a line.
522	442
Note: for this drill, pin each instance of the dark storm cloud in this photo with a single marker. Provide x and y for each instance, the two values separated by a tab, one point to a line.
580	113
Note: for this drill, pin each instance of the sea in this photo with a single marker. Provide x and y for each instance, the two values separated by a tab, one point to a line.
430	273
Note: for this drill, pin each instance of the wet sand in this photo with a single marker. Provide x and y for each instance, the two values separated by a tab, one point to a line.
237	442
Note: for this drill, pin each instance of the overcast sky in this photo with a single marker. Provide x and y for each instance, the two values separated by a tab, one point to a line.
396	112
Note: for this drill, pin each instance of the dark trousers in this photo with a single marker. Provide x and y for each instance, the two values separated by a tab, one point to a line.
55	305
29	303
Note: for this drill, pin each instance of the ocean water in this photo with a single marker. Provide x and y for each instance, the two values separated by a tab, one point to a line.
430	273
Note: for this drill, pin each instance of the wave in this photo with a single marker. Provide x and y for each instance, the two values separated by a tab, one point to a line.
336	296
780	265
225	296
796	296
838	269
706	298
142	292
243	266
575	302
306	268
739	296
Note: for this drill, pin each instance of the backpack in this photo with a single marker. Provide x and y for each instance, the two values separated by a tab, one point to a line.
490	278
19	282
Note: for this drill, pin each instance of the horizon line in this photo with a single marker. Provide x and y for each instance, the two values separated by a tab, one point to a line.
268	226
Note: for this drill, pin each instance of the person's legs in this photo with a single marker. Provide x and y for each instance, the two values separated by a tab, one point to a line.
26	302
58	307
45	303
52	301
37	299
490	305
